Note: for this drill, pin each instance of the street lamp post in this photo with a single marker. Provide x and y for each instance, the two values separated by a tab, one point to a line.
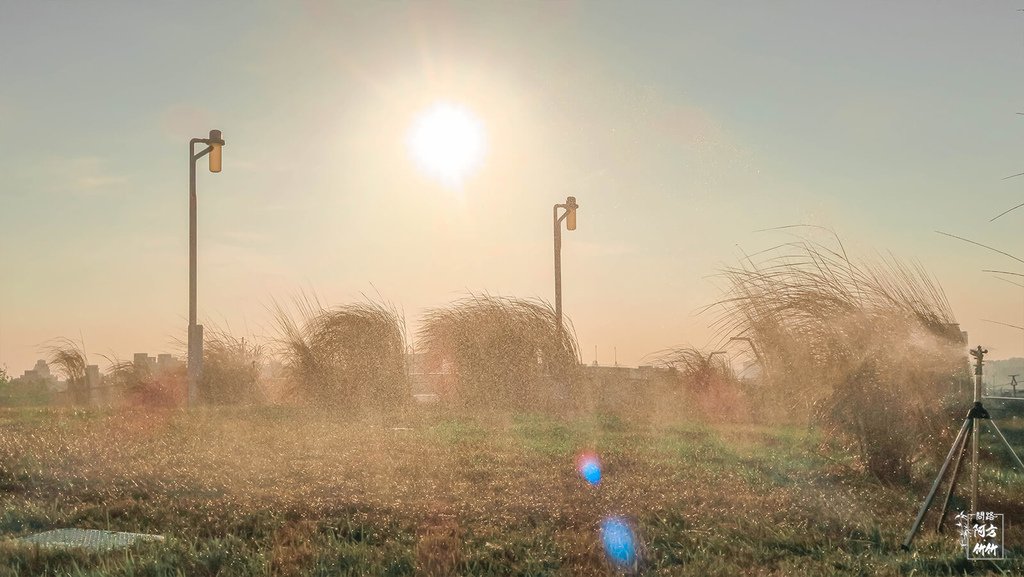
713	353
195	332
569	215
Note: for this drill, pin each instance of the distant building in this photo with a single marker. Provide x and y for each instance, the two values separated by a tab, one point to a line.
430	377
144	362
751	371
40	373
39	386
426	377
166	363
641	373
41	369
273	369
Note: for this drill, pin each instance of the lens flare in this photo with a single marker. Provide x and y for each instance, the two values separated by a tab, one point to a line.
589	467
619	541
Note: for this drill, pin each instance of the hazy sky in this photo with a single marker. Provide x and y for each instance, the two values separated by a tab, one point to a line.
681	127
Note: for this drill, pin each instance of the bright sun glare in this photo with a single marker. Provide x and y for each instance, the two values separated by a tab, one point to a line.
447	141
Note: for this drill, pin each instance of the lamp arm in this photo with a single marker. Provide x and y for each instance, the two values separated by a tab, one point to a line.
559	219
201	153
207	141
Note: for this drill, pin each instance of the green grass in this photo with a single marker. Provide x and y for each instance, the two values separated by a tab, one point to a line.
282	491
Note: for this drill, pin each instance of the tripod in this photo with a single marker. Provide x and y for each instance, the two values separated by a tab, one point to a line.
969	431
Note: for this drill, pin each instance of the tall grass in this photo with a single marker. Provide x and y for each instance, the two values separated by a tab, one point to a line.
506	353
709	383
697	369
866	349
349	357
141	387
70	360
285	492
231	369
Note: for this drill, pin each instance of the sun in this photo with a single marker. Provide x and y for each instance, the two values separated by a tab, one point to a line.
448	142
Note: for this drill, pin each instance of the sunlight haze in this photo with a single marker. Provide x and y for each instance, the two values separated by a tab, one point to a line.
684	130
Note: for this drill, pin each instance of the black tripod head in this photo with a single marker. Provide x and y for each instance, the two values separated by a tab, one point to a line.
979	354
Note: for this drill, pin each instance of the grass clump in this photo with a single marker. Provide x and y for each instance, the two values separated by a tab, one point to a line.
70	360
708	382
231	369
140	386
698	370
506	353
868	350
349	357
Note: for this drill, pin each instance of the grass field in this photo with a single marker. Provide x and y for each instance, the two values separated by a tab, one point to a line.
281	491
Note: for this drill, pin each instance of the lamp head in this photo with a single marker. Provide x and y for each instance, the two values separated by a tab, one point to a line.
216	142
570	212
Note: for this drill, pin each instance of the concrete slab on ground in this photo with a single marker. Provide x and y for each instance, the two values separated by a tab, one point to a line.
93	539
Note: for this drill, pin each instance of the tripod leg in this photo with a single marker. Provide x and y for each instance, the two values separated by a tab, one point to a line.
952	479
935	486
1008	446
974	470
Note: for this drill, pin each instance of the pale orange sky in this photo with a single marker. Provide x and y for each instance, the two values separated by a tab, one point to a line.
682	129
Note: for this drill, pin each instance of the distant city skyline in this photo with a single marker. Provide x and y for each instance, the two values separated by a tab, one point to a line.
684	131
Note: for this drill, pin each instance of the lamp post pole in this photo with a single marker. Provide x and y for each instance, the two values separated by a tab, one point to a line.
570	207
195	331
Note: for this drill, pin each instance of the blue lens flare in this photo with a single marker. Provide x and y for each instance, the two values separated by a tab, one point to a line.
589	467
591	472
619	541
